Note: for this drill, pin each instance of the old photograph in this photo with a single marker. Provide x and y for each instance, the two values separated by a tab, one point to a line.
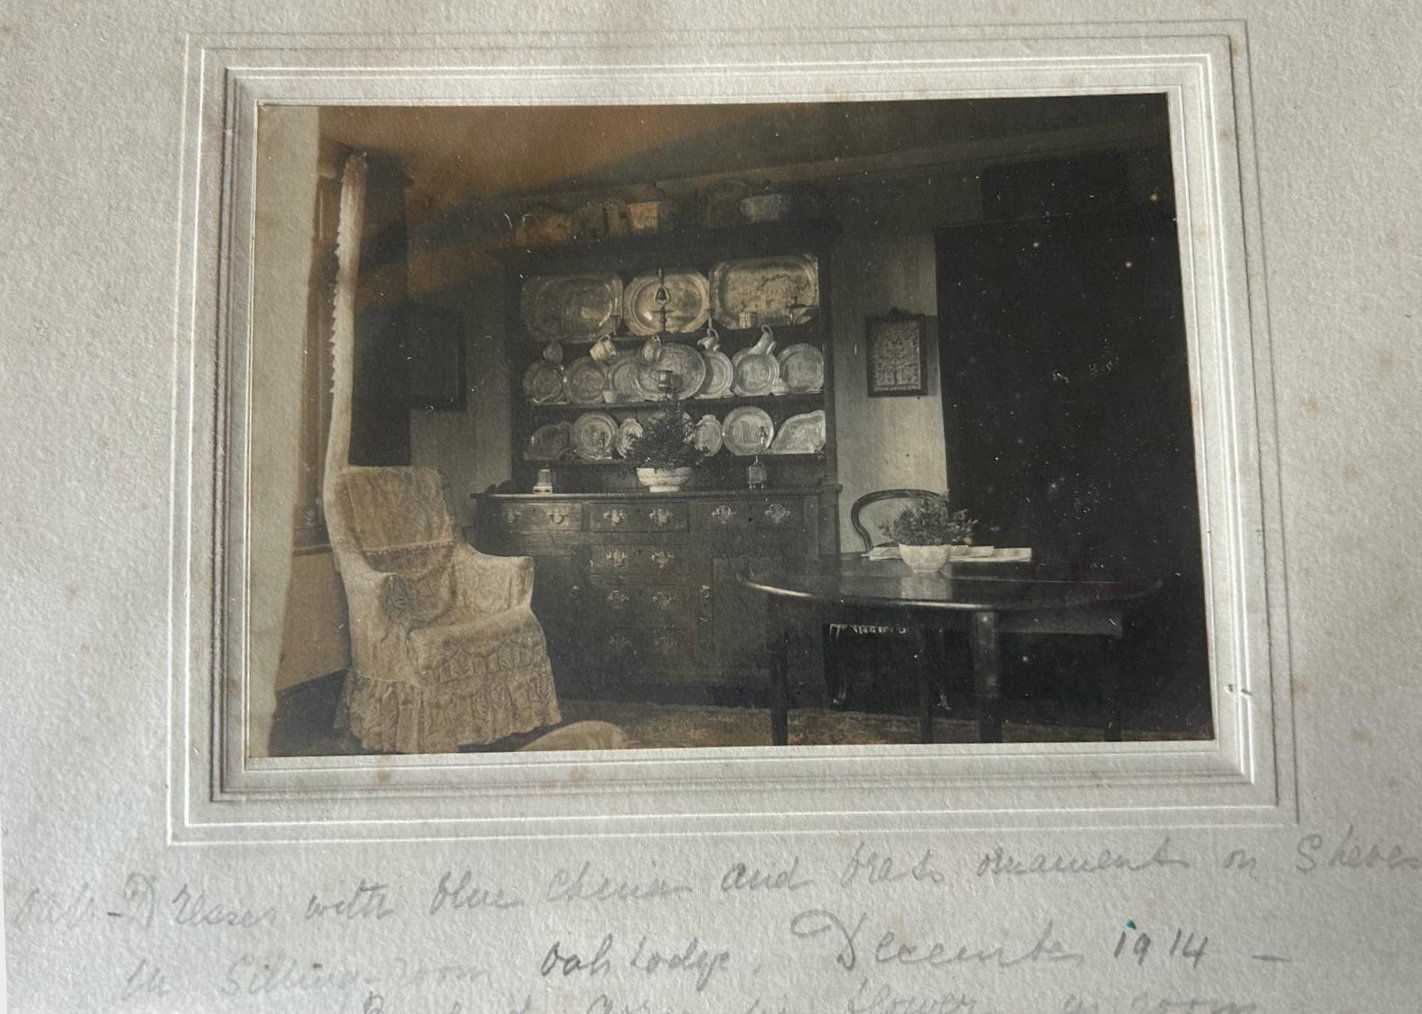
829	508
737	425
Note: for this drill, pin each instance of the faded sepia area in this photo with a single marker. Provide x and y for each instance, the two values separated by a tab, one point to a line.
644	427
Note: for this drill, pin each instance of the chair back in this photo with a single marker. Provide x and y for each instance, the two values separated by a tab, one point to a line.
391	516
873	512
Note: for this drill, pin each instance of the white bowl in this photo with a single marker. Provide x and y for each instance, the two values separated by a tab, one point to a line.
664	480
925	559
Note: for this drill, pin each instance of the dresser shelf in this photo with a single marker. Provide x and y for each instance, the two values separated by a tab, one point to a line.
689	405
743	459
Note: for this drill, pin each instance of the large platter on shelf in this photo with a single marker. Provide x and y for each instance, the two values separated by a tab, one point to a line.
802	369
688	303
630	430
765	290
548	443
594	435
747	430
570	307
683	362
585	381
707	435
622	379
801	434
543	383
719	375
753	373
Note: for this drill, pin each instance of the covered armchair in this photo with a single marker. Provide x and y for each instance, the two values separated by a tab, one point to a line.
445	649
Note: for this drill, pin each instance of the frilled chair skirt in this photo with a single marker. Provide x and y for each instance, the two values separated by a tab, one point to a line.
475	690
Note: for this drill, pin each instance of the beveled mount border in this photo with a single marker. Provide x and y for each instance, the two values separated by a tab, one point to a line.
1245	775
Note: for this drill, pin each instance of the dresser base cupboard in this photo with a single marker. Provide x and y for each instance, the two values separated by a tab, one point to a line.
638	593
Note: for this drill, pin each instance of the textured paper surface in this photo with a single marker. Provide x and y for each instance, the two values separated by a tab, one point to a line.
1319	912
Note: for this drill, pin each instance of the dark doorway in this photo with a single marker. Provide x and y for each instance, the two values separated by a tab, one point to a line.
1066	399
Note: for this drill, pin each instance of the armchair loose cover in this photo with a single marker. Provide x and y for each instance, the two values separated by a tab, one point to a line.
445	649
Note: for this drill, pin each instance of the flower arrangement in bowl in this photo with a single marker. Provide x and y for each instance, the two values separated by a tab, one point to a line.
665	453
927	531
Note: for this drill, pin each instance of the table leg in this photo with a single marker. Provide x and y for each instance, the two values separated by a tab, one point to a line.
926	674
987	676
836	677
1111	687
778	647
938	645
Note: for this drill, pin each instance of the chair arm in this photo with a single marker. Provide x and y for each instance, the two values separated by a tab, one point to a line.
381	598
493	583
503	624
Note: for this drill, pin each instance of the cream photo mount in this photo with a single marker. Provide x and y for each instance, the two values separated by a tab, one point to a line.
220	794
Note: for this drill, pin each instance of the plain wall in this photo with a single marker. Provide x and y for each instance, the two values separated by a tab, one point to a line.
286	208
315	641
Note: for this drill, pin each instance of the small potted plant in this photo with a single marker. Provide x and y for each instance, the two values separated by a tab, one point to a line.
665	453
927	531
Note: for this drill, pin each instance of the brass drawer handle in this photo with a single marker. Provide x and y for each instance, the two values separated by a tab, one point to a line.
617	598
662	559
615	517
558	517
666	644
778	513
512	515
663	600
661	517
616	558
619	644
723	514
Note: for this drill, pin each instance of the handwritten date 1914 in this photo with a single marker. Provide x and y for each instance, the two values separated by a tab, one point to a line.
1184	946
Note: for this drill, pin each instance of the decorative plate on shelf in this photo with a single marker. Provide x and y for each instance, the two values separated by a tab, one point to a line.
801	434
802	368
706	435
570	307
630	430
688	303
548	443
753	373
585	381
765	290
594	434
622	379
683	362
747	430
719	375
543	383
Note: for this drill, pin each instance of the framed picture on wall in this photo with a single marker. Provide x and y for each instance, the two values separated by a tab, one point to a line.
434	349
896	353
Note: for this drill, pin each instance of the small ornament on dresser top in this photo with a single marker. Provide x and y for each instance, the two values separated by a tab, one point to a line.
756	474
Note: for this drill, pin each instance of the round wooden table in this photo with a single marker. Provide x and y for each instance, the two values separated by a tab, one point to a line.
986	600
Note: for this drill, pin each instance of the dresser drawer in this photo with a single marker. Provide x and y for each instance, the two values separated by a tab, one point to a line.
654	605
770	514
671	562
637	517
539	517
649	655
